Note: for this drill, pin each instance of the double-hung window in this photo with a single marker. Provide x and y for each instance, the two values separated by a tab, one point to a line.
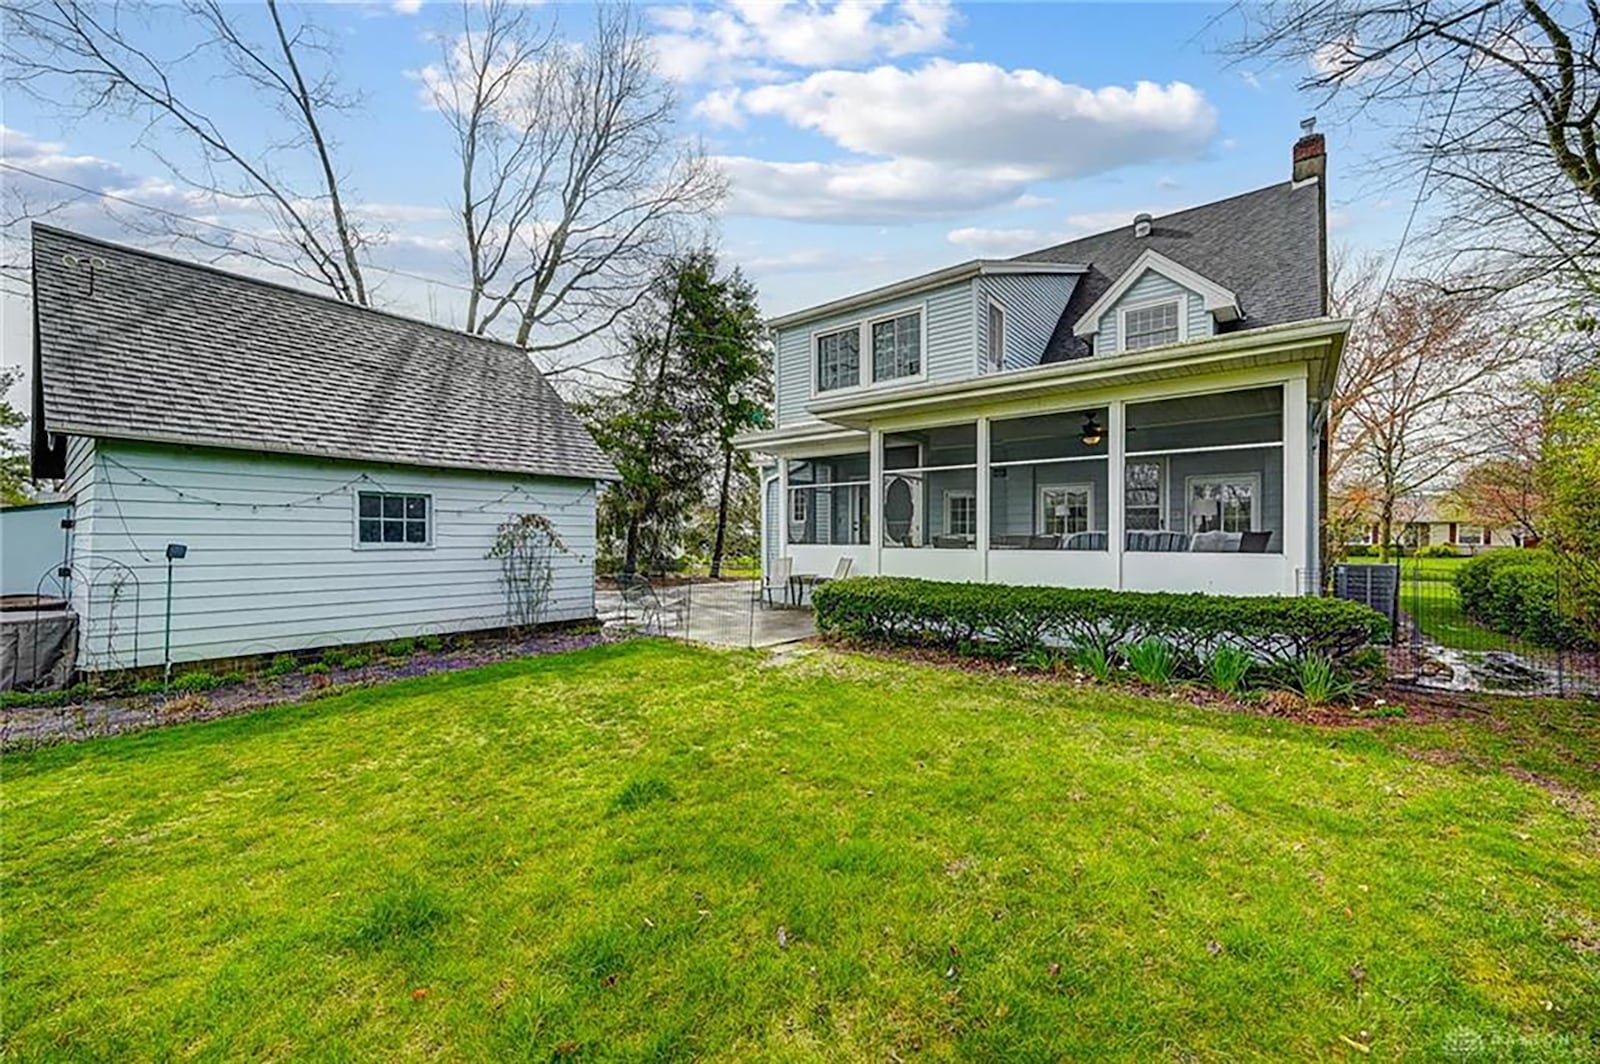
960	514
897	347
388	519
1150	326
838	359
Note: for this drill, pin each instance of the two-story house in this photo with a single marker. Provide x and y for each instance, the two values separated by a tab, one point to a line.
1143	409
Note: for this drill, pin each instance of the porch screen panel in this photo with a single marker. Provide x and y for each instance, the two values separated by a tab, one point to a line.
1204	473
1049	485
829	500
930	488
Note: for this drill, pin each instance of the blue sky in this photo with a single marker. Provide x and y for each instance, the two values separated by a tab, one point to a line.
862	143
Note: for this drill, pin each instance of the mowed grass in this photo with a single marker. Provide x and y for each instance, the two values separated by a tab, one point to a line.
590	857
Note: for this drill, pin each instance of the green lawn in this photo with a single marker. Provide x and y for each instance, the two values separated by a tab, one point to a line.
1428	593
589	857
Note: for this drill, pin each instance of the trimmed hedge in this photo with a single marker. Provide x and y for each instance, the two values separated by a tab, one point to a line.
996	619
1517	592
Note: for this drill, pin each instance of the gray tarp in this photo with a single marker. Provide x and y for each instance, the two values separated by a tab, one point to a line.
38	650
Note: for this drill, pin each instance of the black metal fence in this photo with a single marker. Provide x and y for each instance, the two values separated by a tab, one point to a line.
1438	645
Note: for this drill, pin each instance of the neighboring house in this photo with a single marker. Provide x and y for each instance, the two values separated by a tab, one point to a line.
1427	521
1143	408
337	474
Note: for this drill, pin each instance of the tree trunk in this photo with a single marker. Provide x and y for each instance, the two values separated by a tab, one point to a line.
630	555
722	511
1386	520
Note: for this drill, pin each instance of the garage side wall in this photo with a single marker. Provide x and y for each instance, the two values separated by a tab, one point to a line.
273	562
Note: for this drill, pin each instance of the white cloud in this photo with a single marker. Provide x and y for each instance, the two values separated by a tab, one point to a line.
859	192
742	39
406	7
979	114
986	243
1250	78
950	137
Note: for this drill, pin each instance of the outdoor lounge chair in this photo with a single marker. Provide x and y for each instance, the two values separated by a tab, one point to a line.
777	580
642	605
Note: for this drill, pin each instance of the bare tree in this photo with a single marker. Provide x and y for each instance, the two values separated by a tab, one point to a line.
83	58
1493	103
574	186
1438	369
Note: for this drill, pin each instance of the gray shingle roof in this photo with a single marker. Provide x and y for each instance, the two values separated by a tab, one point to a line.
1264	245
147	347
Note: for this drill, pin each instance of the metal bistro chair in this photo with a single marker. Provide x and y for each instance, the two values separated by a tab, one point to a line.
777	579
640	600
840	570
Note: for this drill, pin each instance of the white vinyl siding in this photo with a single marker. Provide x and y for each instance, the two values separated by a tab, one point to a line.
1150	289
290	578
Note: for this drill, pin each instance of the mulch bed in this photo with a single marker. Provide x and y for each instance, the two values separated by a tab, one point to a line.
1388	704
94	716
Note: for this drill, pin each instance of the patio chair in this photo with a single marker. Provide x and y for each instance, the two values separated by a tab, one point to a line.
641	604
1254	542
1045	541
777	579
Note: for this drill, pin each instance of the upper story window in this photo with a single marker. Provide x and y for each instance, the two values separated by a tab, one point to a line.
385	519
1150	326
838	359
897	347
997	337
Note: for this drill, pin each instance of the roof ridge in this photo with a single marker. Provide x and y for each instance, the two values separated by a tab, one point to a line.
1290	185
281	286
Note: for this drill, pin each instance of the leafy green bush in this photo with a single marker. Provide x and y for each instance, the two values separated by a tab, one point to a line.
282	665
1153	661
317	668
1517	592
1227	668
1276	632
400	648
431	643
1437	550
1360	550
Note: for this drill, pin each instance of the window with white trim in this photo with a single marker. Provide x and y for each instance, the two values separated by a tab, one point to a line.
387	519
897	347
1065	509
997	337
1150	326
838	359
1224	503
960	514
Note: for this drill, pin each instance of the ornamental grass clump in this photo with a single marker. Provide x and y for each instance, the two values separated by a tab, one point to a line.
1094	660
1153	661
1321	683
1227	668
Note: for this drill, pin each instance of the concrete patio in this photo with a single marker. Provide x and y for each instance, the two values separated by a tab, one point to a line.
724	613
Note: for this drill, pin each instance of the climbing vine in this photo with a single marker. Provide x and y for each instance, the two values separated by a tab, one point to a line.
526	546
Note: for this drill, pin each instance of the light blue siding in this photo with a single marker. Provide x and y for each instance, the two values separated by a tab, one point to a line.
769	524
34	547
1153	287
1033	304
274	578
947	340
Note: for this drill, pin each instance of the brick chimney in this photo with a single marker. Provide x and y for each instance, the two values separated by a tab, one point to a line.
1310	153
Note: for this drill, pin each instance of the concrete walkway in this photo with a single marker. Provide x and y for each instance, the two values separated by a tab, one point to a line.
725	613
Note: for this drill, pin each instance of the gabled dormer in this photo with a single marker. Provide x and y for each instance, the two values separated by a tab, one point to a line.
1156	301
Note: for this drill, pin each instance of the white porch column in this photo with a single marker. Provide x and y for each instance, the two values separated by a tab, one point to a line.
783	507
982	496
1116	486
1296	475
875	499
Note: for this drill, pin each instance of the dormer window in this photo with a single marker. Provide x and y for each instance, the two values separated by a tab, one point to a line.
838	359
1151	325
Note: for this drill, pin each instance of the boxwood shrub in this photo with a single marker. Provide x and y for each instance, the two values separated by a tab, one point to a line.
1517	592
1278	633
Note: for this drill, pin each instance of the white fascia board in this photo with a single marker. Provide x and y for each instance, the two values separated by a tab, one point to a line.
949	275
1219	301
